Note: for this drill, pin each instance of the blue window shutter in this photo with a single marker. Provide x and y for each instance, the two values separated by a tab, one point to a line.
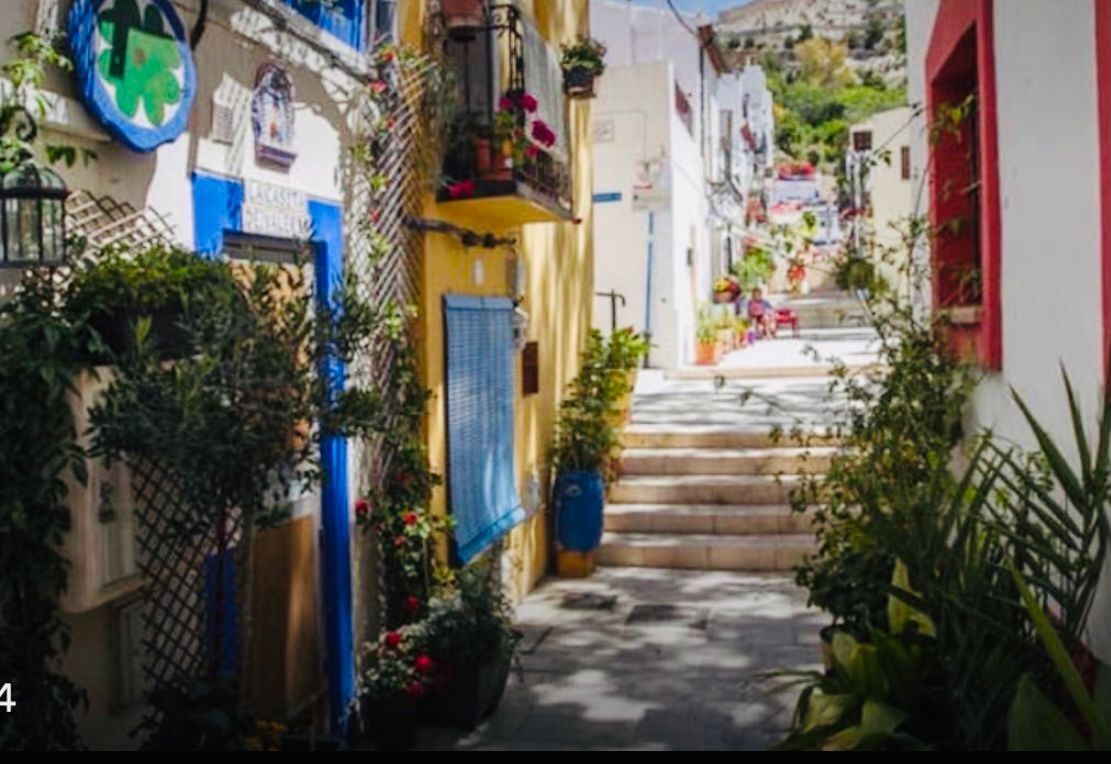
482	480
343	19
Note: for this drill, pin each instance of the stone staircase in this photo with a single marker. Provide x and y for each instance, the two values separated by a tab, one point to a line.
707	495
826	309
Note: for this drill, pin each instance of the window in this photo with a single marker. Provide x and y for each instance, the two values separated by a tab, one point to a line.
904	162
964	186
862	140
342	19
481	473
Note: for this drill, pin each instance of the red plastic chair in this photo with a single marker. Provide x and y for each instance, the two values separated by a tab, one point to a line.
787	317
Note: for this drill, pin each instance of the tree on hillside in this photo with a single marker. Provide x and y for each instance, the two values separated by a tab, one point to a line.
874	31
824	63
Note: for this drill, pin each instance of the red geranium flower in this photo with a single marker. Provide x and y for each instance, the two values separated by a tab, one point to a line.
543	134
399	541
411	518
387	55
362	508
528	103
415	690
423	664
378	86
412	604
505	103
532	152
393	639
461	190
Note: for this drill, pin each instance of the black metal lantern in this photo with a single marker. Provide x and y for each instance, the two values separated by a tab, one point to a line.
32	217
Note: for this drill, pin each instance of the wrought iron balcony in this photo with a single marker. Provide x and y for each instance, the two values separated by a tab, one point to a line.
496	164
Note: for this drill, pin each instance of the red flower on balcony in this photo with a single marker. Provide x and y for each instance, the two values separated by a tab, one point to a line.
411	518
423	664
528	103
463	189
532	152
393	639
378	87
362	509
543	134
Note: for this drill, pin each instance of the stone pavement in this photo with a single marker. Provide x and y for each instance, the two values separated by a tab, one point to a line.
643	658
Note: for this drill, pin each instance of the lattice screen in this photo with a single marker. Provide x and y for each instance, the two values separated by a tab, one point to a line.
394	277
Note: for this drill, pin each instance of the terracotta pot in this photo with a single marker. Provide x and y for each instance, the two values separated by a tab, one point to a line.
707	353
463	17
579	83
491	163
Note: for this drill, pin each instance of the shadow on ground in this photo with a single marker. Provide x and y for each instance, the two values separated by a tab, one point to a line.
651	659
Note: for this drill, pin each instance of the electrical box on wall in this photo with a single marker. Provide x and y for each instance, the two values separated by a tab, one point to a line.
100	544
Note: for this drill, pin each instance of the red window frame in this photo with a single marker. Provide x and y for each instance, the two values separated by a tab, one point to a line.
961	60
1103	85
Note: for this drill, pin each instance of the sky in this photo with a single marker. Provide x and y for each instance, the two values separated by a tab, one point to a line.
710	7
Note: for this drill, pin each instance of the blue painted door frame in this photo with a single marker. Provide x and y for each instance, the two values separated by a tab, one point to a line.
217	205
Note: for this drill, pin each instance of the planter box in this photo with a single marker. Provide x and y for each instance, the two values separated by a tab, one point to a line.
471	694
579	502
707	353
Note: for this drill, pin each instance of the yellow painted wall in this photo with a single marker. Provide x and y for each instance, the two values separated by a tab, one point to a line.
558	258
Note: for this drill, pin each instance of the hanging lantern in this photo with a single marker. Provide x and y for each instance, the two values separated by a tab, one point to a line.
32	217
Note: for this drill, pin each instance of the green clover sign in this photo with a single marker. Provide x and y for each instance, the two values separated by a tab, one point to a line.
140	60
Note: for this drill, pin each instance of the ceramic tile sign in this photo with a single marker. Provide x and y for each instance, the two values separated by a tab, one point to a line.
134	68
272	116
273	210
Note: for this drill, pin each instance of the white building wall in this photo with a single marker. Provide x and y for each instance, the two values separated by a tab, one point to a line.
649	54
1049	183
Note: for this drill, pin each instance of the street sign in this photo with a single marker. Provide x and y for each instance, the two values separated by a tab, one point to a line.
607	196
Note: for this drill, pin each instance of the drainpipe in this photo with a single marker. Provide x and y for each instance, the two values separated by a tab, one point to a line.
648	288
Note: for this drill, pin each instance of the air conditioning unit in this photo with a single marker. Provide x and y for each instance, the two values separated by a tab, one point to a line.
100	544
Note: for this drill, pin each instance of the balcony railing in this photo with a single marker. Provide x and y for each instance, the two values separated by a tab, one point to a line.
489	64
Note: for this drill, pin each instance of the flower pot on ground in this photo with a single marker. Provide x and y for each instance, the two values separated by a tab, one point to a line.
470	638
580	502
469	694
707	353
390	722
463	17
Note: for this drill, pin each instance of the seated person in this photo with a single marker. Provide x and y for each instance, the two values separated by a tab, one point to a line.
761	315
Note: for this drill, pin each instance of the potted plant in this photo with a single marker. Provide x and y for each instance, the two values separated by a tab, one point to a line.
740	331
626	349
470	638
582	62
518	135
707	349
585	439
726	289
723	323
463	17
796	277
398	671
157	289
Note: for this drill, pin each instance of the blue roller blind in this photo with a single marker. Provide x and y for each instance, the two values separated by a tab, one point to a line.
481	480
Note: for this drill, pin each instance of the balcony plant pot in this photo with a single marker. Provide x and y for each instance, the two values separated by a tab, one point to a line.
471	694
490	162
707	353
463	18
391	722
168	338
578	82
579	502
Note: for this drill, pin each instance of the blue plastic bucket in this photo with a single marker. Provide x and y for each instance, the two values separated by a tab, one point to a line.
579	499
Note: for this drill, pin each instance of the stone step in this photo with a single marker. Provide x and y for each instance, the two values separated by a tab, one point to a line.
703	489
736	519
670	436
793	371
827	310
706	552
724	461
